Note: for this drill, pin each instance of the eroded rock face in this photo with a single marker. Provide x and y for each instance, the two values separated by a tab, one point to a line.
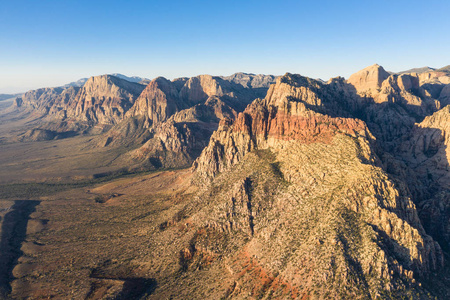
42	100
309	194
282	115
251	80
368	81
181	116
180	139
444	95
427	153
158	101
102	100
330	190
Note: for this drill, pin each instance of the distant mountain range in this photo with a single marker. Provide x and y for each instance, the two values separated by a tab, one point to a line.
8	96
426	69
134	79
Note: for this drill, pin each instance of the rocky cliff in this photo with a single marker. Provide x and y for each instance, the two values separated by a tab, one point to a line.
367	82
162	98
427	153
307	204
102	100
179	117
251	80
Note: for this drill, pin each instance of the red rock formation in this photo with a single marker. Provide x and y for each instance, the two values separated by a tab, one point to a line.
158	101
281	116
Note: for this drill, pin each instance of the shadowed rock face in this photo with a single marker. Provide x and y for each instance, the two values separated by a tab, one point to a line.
162	98
158	101
427	153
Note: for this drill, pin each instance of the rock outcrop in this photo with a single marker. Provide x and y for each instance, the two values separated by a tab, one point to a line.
368	81
158	101
427	153
251	80
180	116
102	100
178	141
299	188
305	200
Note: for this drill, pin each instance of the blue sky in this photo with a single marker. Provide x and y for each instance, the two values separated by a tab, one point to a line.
50	43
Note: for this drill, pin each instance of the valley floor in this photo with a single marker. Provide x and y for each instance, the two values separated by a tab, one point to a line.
96	242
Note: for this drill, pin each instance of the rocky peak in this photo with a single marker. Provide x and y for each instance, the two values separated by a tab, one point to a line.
111	86
251	80
399	83
158	101
306	155
198	89
368	80
427	153
282	116
38	99
294	86
104	100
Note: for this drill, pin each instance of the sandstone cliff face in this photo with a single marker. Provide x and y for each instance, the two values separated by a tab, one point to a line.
307	205
427	153
102	100
181	116
368	81
444	95
162	98
317	190
42	100
158	101
389	104
179	140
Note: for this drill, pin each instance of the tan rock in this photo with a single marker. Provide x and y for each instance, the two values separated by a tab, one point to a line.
368	81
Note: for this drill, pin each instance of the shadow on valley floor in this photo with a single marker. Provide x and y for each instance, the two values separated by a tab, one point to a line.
14	228
119	281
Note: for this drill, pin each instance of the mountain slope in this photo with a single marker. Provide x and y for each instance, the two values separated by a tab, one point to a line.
307	205
102	100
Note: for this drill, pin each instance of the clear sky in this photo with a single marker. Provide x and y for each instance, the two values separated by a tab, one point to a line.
50	43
